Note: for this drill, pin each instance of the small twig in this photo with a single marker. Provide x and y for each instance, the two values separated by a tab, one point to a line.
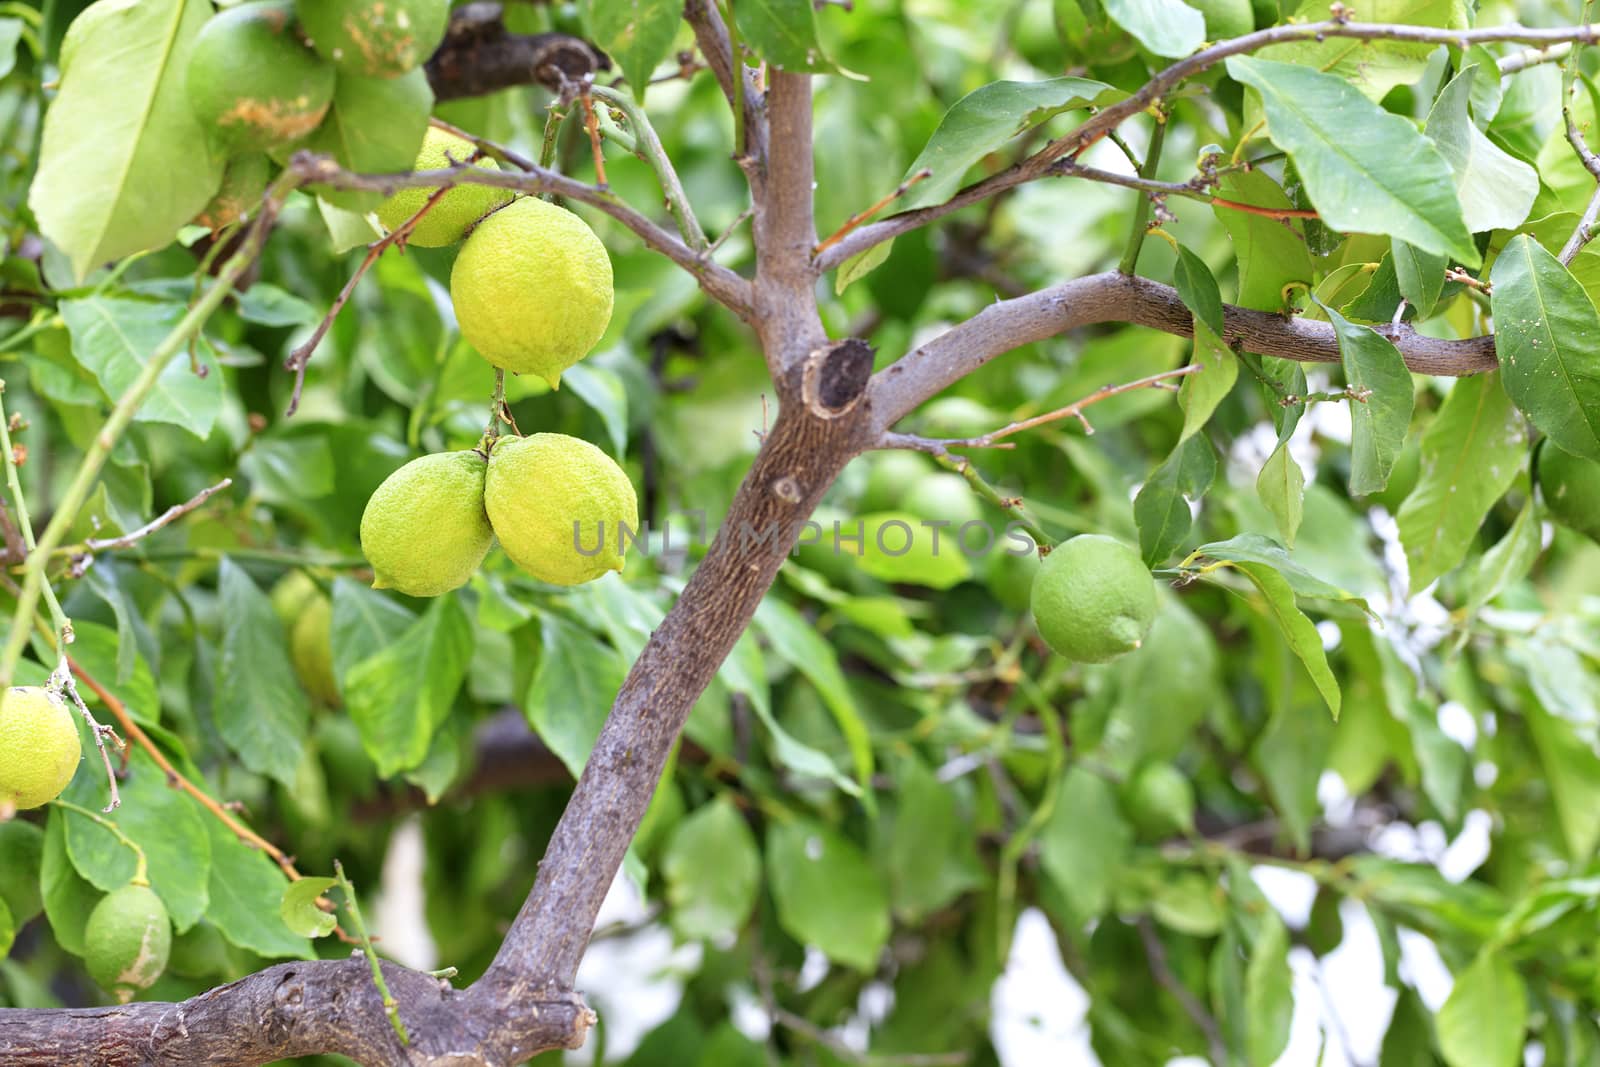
647	146
591	125
866	213
176	780
1532	57
390	1007
127	540
1141	210
301	356
1073	410
1591	162
817	1035
1456	274
61	679
493	149
141	868
1161	970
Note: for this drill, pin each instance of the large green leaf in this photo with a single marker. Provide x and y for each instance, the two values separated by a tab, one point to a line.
1085	842
1300	633
375	126
928	853
1161	510
1373	67
799	644
1255	548
1572	772
1168	28
1380	407
261	709
1268	993
400	695
1281	485
636	33
1470	455
784	33
985	119
1496	189
1482	1022
1419	276
572	690
1547	339
1271	253
827	894
1508	561
114	338
246	894
1366	170
1201	392
364	623
124	163
712	870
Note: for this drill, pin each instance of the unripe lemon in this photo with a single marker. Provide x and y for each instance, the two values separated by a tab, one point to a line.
944	497
308	616
448	220
532	289
39	749
1093	599
375	38
424	530
375	126
548	494
890	476
128	940
1571	488
243	182
1161	800
253	82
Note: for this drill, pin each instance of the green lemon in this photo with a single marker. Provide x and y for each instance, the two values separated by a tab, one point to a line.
424	530
243	182
128	941
556	503
39	748
1093	599
375	38
21	851
1160	800
375	126
890	476
944	497
448	220
1571	488
532	289
253	82
307	615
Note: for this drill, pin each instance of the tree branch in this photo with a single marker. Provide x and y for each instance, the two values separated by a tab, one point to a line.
787	319
720	283
1109	118
1112	297
479	56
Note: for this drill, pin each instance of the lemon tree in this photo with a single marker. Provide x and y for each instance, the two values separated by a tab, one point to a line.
1001	533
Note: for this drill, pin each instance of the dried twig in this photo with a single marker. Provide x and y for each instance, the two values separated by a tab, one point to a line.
862	216
1156	953
166	518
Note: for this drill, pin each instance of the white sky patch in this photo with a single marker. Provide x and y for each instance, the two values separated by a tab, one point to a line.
1290	892
1458	724
399	913
1039	1010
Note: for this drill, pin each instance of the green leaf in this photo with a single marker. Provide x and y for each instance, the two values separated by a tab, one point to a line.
374	126
1496	189
1365	170
1420	276
572	690
636	33
902	548
1268	993
1085	842
1272	253
261	709
604	392
1572	773
1547	340
1201	392
985	119
1481	1023
124	163
1380	409
68	897
798	643
364	623
1255	548
1298	631
8	929
268	305
161	820
10	36
1168	28
713	872
1161	510
299	907
1281	485
1373	67
246	898
1508	561
784	33
927	851
401	694
1470	455
289	471
827	894
114	337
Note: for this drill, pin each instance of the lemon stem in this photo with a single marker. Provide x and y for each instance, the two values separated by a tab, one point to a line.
141	870
390	1007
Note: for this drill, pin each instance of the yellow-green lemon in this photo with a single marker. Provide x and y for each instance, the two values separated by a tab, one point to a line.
243	182
1571	488
532	289
447	221
1160	800
556	504
1093	599
375	38
127	941
424	530
39	748
944	497
307	615
253	82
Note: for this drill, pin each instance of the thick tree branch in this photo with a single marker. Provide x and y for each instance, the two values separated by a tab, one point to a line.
786	318
1109	118
720	283
1114	297
479	56
302	1009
